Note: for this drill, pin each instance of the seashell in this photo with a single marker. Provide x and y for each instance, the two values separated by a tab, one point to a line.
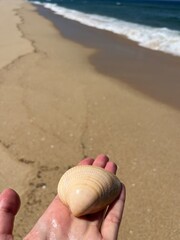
87	189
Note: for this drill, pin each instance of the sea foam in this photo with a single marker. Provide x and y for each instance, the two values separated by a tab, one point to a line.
160	39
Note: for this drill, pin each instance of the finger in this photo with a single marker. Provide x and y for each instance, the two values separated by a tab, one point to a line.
9	206
86	161
111	167
101	161
110	226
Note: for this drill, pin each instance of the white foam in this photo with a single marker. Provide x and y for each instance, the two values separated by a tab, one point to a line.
160	39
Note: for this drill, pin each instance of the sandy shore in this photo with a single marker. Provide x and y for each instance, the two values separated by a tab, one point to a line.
55	108
154	73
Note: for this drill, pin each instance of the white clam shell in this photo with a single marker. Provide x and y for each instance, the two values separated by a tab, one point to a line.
88	189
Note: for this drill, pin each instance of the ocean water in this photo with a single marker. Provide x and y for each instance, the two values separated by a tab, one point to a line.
154	24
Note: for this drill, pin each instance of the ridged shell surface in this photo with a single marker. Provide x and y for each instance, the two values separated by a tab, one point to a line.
88	189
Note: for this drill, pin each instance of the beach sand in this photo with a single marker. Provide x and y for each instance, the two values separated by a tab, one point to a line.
58	104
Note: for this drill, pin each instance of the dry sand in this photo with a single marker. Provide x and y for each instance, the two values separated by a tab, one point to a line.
55	109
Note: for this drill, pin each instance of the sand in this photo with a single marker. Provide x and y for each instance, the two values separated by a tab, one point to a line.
56	108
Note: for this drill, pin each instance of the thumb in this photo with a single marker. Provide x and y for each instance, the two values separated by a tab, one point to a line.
9	206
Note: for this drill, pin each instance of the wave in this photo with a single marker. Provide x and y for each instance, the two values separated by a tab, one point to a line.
159	39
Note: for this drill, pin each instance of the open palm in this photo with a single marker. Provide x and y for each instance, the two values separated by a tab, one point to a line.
57	222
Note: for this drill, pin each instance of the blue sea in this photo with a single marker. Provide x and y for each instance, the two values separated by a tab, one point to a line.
154	24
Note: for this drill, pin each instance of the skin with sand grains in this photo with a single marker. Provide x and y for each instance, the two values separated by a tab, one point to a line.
57	222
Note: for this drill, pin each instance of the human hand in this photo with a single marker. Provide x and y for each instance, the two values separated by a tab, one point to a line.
9	206
57	222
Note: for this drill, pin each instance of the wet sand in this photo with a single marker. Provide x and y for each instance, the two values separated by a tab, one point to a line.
58	104
153	73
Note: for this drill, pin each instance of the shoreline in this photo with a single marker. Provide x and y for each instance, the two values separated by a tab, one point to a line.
136	66
56	108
